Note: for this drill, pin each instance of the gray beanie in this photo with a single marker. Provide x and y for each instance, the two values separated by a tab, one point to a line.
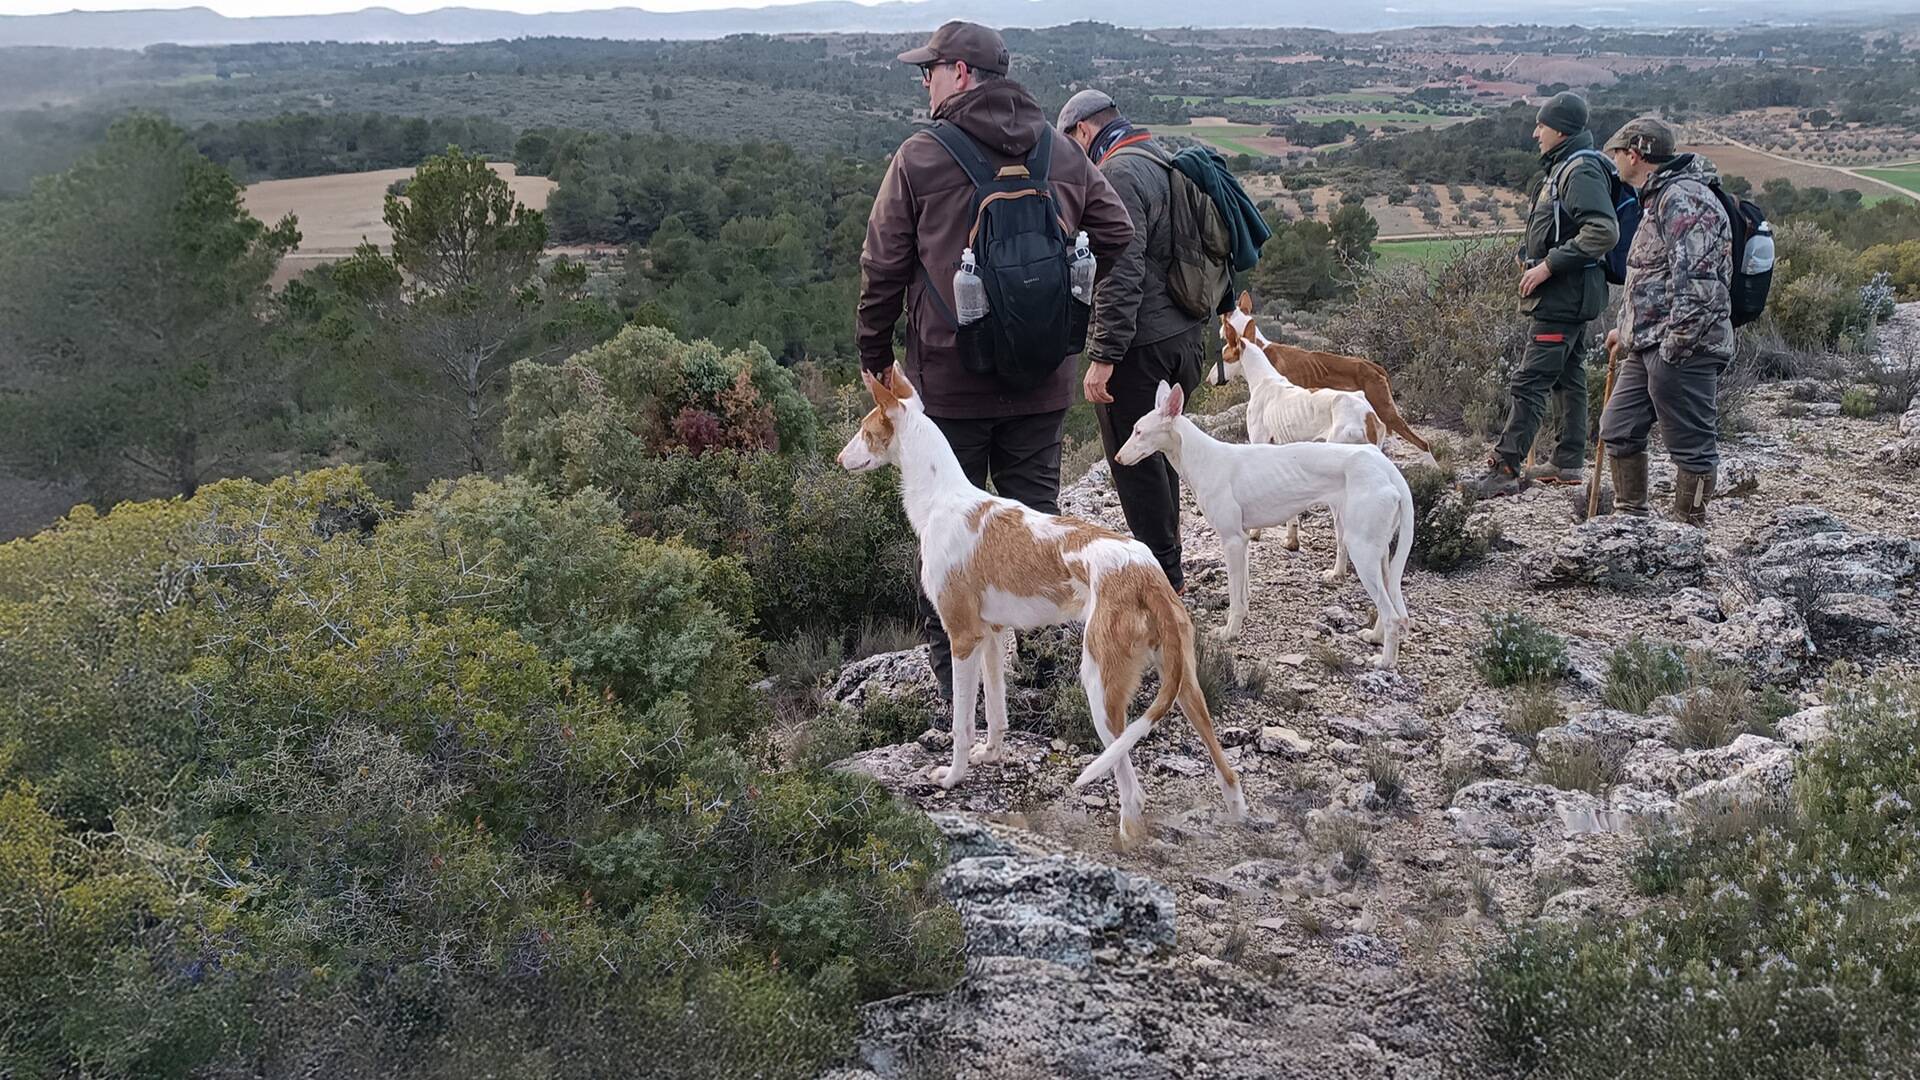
1082	105
1565	112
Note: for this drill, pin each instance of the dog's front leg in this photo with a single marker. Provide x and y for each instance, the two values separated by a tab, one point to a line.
1292	542
967	658
1235	545
993	675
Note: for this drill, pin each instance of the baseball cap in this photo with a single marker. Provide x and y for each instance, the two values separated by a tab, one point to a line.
1649	135
970	43
1082	105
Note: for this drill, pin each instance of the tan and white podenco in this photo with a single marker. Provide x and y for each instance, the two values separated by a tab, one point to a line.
1241	488
993	566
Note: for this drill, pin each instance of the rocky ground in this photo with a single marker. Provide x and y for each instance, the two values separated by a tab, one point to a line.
1331	935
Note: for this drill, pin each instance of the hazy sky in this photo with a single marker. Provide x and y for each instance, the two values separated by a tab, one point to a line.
313	7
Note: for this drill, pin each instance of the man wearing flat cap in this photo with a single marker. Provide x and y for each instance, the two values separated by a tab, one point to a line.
1563	286
1140	337
920	223
1676	322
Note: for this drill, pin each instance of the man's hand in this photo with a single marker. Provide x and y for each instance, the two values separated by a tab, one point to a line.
1095	383
1535	276
1613	339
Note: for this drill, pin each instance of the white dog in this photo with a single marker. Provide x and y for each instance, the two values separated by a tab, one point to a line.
1242	488
994	566
1279	411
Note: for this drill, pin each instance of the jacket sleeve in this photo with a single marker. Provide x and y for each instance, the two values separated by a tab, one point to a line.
1116	298
1588	200
1698	250
887	261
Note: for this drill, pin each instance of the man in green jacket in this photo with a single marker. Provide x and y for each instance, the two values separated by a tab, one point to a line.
1563	287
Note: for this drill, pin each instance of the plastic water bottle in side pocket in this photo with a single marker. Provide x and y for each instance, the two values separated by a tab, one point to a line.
1081	274
969	292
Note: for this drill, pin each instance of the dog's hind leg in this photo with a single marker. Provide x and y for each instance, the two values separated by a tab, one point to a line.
1339	568
1369	564
1109	689
1292	542
993	674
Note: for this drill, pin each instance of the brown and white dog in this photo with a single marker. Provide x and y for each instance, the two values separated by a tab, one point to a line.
1313	370
993	566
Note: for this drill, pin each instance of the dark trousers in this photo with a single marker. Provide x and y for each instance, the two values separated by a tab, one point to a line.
1021	456
1150	491
1552	368
1682	396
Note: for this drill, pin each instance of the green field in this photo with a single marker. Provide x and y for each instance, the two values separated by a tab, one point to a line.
1388	252
1374	118
1907	176
1224	136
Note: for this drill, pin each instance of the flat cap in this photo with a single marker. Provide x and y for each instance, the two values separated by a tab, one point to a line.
978	47
1648	135
1082	105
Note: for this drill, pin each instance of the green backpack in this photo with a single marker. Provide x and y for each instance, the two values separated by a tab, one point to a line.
1202	268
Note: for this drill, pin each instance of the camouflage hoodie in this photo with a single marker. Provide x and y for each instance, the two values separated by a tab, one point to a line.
1680	267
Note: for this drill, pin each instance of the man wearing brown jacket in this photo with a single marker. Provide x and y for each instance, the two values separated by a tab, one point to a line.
919	224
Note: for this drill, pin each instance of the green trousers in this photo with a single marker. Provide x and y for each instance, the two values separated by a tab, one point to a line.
1553	368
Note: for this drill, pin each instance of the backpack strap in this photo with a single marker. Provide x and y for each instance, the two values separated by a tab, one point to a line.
965	153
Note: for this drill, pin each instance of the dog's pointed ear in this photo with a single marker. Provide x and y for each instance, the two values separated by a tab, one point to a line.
882	395
903	389
1227	333
1246	303
1176	401
1160	396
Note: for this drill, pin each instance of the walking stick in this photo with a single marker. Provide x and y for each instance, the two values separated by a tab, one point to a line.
1600	447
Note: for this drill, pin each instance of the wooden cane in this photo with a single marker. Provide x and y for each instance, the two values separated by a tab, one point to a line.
1600	446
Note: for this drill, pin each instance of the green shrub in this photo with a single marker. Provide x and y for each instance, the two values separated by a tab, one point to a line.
291	775
1441	539
1518	651
1860	403
1532	709
1778	942
822	547
1641	670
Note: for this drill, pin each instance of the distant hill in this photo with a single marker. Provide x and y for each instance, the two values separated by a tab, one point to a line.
137	29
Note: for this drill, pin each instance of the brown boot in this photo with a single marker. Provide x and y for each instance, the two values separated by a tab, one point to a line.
1629	484
1691	491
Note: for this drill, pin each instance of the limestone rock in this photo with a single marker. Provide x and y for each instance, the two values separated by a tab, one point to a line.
1682	771
1797	523
1806	727
885	676
1474	741
1767	639
1284	741
1057	908
1694	607
1620	552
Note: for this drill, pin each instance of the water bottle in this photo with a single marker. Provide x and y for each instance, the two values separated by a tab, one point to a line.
1081	274
1758	258
969	292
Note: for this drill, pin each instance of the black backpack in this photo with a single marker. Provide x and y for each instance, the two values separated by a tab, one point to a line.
1626	209
1752	255
1022	253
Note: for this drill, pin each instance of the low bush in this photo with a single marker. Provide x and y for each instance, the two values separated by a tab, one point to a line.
294	776
1778	941
1519	651
1441	539
1641	670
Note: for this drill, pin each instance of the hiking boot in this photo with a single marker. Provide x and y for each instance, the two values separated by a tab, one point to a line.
1555	475
1691	492
1629	484
1501	479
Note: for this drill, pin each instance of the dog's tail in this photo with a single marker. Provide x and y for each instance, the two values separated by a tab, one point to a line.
1172	635
1396	572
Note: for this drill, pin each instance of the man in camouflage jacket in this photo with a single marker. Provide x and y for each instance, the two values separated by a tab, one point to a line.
1676	322
1563	287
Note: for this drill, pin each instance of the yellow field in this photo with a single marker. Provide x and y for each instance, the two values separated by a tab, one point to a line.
337	212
